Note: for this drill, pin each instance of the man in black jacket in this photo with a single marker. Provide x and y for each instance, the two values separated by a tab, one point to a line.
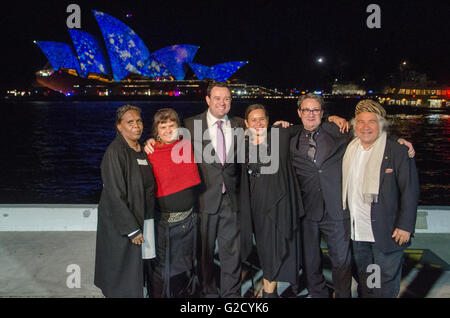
215	151
317	153
381	189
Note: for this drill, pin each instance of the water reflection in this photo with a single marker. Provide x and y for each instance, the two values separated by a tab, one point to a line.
54	155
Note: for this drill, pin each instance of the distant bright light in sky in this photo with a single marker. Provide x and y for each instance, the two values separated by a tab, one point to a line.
320	60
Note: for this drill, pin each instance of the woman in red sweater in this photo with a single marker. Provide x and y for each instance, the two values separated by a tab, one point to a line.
176	176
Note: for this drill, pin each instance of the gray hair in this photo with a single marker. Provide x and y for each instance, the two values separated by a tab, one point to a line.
317	98
383	124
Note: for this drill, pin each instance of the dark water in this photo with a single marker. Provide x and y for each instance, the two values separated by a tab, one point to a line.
51	151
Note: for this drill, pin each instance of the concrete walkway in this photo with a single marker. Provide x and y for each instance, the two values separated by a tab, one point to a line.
43	264
35	264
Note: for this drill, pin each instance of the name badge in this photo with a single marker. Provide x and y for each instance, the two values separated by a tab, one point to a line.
142	162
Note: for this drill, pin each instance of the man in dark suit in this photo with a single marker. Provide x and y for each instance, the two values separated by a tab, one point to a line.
215	150
381	189
316	153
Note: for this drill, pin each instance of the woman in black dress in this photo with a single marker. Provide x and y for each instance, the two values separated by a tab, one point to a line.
270	202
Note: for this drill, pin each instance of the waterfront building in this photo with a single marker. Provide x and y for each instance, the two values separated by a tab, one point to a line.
350	89
417	96
123	65
409	87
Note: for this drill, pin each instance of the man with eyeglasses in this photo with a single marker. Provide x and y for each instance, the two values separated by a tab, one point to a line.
317	152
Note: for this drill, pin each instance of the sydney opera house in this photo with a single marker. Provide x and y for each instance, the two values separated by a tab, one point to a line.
123	65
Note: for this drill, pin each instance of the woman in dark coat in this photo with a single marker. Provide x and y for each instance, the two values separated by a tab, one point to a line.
126	203
271	203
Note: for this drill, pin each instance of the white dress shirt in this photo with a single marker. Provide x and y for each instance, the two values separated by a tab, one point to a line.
360	212
212	130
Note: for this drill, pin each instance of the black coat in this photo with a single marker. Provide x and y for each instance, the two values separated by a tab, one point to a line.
322	186
397	199
121	211
213	174
277	196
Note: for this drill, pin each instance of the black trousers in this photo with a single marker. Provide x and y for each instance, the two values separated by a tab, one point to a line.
224	227
175	255
336	234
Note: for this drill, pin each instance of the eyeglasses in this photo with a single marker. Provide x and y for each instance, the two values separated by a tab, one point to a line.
314	111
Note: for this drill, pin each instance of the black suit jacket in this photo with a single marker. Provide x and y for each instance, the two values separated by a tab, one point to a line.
397	199
213	174
322	186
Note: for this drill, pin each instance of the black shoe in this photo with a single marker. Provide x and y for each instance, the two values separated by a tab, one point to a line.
270	295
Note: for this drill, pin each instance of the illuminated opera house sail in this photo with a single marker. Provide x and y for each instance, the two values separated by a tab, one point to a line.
122	63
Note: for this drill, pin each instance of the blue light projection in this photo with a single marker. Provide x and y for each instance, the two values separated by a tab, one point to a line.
89	53
60	55
174	57
219	72
201	71
127	52
222	72
155	69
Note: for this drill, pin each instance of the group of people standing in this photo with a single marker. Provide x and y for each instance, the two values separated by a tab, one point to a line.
357	190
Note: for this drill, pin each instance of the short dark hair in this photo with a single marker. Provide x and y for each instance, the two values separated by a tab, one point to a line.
316	97
216	84
255	107
162	116
123	109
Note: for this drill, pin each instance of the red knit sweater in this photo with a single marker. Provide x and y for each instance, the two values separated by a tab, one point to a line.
172	177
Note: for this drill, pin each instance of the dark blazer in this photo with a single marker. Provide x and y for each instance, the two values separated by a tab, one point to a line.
213	174
397	199
322	186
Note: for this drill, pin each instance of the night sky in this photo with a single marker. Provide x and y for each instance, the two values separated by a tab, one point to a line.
281	39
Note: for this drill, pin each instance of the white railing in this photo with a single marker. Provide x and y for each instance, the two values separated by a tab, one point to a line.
78	217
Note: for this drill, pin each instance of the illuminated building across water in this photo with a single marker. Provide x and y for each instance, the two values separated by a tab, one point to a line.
122	57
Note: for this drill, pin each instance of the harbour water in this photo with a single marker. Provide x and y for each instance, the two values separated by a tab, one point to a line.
51	151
